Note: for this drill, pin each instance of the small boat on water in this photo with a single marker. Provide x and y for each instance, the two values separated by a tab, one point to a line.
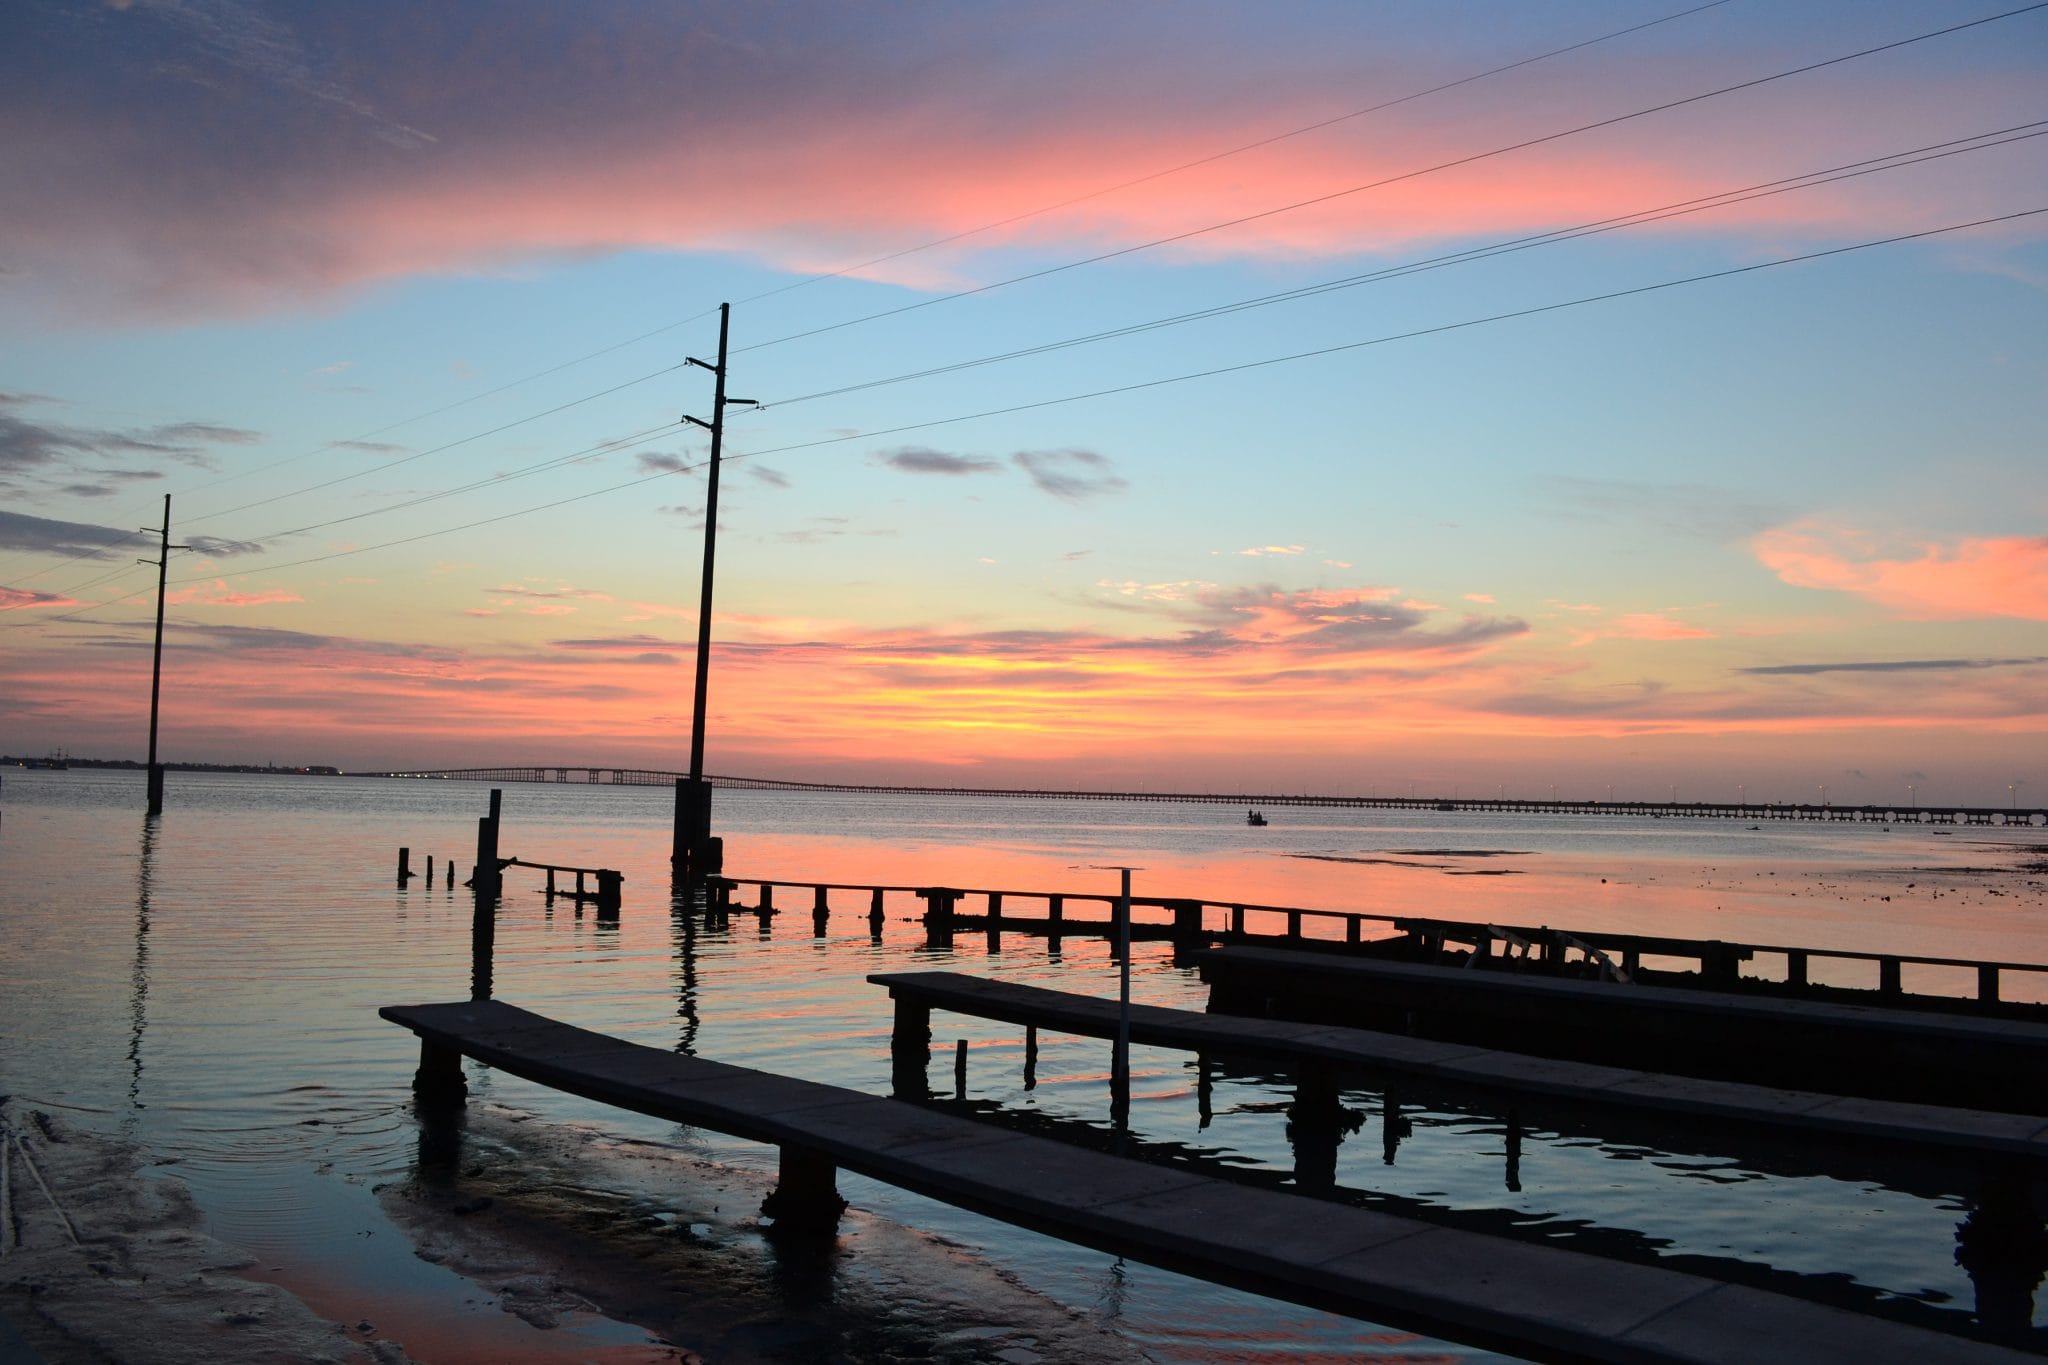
1254	818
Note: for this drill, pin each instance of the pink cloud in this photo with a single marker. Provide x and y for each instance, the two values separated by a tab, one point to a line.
1972	578
559	138
19	599
1643	625
217	594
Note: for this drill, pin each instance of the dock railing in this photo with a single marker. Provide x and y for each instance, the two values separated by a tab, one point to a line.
1194	922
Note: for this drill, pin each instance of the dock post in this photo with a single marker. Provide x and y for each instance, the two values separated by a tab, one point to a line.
609	895
551	883
938	916
487	878
1888	976
910	1048
1795	968
1031	1056
439	1084
1187	922
805	1199
960	1069
994	927
430	872
404	866
821	911
451	874
767	906
1987	982
875	915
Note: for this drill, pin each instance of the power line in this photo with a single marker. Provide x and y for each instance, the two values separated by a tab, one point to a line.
1723	199
1382	183
900	254
1161	383
447	446
1401	336
1214	157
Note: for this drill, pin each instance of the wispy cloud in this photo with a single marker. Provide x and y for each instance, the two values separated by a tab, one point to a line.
1892	666
1972	578
19	531
19	599
1070	475
922	460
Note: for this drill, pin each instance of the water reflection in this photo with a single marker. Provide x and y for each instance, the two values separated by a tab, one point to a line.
686	901
138	977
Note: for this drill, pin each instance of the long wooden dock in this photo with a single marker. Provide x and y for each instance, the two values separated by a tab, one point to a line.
1527	1299
1290	1044
1880	1053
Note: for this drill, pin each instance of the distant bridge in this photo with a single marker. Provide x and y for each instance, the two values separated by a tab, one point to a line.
1879	813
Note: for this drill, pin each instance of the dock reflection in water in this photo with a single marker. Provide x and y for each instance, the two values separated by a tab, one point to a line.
213	987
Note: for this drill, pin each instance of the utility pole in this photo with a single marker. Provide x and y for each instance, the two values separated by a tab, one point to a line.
156	671
693	852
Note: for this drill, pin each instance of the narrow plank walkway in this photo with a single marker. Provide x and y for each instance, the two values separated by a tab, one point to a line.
1933	1126
1902	1054
1530	1300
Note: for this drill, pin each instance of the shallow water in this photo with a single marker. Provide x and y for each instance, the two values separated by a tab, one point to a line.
209	984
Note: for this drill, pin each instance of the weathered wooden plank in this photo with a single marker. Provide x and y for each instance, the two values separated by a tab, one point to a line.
1935	1126
1462	1285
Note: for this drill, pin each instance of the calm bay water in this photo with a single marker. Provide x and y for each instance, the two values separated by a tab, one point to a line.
208	985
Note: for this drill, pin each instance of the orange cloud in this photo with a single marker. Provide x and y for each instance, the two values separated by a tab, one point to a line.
1971	579
541	147
1643	625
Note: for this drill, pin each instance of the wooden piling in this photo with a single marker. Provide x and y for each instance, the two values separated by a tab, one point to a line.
806	1199
1987	982
1888	982
439	1081
404	866
1031	1056
910	1047
960	1070
430	872
821	911
608	892
875	914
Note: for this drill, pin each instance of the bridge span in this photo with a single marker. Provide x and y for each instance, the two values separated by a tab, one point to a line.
1874	813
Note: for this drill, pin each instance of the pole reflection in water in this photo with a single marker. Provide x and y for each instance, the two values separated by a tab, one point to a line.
138	980
483	933
1514	1174
683	902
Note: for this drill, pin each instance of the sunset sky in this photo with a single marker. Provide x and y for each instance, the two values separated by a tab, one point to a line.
1440	492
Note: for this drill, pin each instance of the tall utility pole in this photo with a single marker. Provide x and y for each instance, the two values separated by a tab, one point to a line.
156	671
694	853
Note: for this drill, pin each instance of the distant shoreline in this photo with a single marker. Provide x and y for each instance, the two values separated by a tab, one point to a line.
136	765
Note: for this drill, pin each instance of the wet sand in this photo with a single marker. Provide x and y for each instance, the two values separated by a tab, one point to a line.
578	1245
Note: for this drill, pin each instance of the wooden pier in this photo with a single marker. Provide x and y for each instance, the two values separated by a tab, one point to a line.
1319	1053
1489	1291
1904	980
1916	1055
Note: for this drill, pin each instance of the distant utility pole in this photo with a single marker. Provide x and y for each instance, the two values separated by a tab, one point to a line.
156	670
692	851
